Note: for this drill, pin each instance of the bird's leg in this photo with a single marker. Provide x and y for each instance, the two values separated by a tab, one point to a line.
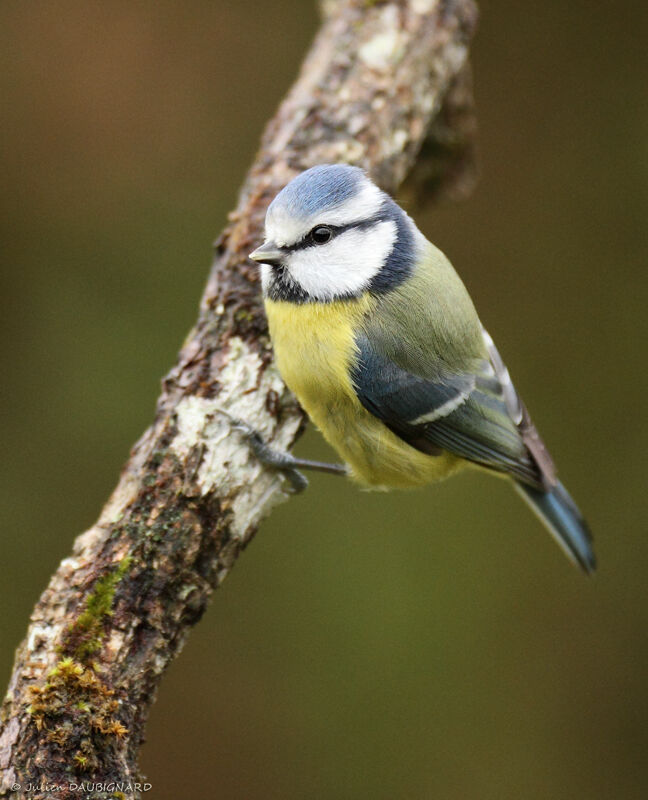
280	459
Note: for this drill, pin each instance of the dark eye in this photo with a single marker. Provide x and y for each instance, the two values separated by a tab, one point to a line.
321	234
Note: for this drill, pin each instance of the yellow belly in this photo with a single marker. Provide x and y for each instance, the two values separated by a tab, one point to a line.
314	346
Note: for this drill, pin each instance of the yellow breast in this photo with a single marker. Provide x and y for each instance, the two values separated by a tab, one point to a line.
314	349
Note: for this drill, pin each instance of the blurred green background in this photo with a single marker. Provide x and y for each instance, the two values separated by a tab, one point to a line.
410	645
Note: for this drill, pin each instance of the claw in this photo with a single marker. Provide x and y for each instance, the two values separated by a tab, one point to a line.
270	457
297	482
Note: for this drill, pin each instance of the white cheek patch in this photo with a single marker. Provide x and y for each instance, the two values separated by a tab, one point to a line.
346	265
284	228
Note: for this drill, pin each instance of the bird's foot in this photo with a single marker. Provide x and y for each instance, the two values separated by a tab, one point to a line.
281	460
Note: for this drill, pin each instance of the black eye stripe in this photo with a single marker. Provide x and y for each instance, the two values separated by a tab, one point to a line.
336	230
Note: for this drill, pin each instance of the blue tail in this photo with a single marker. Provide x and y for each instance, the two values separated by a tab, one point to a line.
561	517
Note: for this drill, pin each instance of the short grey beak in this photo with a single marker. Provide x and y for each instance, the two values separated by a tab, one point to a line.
268	253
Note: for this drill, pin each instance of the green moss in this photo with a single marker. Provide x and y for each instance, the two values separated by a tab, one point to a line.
85	635
75	711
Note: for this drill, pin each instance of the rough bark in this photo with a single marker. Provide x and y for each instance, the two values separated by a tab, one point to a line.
371	92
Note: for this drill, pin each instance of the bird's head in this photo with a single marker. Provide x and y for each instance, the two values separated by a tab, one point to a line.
332	234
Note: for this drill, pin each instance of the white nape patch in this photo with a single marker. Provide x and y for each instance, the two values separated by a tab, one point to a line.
285	229
346	264
227	463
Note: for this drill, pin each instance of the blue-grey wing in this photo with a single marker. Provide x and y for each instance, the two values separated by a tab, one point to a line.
476	415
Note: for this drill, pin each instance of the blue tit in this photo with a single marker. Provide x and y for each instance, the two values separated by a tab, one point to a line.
376	335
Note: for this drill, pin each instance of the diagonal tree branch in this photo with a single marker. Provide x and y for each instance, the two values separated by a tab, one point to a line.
371	92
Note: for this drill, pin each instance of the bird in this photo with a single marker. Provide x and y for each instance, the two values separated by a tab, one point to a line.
376	335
